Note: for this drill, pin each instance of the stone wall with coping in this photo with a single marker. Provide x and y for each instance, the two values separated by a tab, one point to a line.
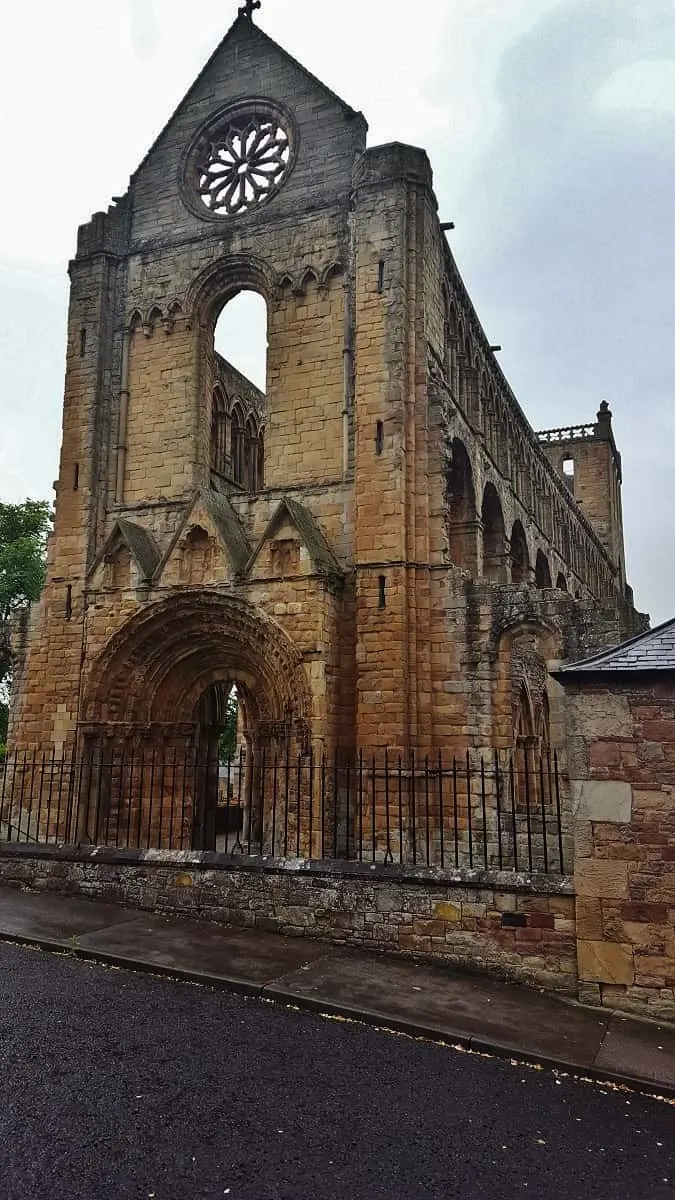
518	927
622	765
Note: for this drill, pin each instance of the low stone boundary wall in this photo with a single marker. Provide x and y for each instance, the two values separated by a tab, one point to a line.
518	927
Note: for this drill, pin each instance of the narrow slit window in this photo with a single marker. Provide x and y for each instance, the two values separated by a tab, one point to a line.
379	437
69	602
83	342
382	592
76	477
380	275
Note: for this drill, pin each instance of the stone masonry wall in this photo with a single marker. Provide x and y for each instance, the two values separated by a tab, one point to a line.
515	927
622	762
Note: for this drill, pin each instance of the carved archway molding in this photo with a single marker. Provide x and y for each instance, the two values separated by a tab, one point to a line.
155	669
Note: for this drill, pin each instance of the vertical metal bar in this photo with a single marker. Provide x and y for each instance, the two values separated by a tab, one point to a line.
514	823
41	785
162	806
119	801
108	792
262	799
249	777
441	815
58	807
183	801
468	807
543	811
49	794
483	811
140	798
311	800
275	781
498	789
558	813
30	793
91	759
298	814
3	767
152	789
227	805
21	794
11	803
360	801
400	810
287	795
388	856
323	805
131	795
455	816
336	792
348	800
373	816
528	815
172	806
413	814
426	806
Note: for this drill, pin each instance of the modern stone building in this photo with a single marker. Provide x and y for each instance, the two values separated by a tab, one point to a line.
377	551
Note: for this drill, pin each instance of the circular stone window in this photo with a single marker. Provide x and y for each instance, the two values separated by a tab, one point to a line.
239	159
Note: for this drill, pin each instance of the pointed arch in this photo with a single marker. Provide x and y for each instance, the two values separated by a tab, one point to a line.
542	571
219	432
461	508
561	582
492	519
519	555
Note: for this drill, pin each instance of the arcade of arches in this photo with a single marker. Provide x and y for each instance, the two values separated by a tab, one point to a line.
353	539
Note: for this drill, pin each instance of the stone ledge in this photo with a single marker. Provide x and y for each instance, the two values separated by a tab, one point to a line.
206	860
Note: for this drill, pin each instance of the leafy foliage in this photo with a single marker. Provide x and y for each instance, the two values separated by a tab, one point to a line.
228	742
23	539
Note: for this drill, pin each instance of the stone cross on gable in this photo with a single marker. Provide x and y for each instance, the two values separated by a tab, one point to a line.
247	10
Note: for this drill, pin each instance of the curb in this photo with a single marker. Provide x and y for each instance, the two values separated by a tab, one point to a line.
372	1018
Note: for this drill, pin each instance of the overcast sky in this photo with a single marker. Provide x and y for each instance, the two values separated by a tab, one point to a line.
550	127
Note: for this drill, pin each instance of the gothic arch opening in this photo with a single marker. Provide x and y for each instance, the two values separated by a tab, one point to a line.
561	582
461	500
156	704
237	379
494	535
519	554
542	571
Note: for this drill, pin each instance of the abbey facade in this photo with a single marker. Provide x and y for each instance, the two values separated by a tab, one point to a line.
376	551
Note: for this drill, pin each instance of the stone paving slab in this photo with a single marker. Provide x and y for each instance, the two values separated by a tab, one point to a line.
228	955
436	1001
44	915
639	1049
450	1004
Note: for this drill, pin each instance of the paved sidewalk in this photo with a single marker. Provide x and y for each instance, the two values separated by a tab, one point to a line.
475	1011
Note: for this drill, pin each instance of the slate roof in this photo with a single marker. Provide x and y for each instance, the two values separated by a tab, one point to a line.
650	651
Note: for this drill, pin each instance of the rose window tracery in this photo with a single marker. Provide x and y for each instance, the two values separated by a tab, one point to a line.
242	159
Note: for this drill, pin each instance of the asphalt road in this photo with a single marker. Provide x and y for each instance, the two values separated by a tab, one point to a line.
126	1086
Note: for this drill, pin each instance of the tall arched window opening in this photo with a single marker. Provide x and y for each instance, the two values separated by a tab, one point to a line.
493	535
520	559
461	509
237	382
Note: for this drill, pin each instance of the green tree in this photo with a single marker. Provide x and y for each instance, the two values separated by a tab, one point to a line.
23	539
228	741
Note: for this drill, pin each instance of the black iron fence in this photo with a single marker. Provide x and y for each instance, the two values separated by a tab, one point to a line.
494	812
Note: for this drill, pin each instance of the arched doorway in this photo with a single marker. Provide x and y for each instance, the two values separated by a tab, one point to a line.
154	715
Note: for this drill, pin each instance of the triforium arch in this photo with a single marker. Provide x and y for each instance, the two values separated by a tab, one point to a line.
461	509
492	518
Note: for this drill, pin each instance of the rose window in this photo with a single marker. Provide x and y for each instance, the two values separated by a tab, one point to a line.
242	160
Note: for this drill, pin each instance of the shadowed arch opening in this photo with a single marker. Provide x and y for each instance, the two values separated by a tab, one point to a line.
561	582
159	691
494	535
520	558
461	510
542	571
